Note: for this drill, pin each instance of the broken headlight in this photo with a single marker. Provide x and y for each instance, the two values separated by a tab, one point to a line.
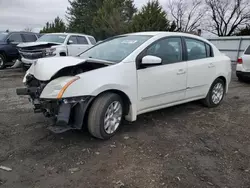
50	52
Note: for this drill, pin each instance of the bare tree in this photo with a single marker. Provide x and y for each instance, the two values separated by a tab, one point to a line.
186	14
228	15
28	29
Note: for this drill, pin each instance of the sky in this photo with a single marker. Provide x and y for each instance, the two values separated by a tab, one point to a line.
21	14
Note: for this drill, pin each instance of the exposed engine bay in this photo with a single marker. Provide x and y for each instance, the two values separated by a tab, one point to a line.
67	113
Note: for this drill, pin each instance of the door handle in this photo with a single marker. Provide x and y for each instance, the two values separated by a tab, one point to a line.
181	71
211	65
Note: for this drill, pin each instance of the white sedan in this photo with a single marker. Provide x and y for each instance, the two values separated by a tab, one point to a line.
125	76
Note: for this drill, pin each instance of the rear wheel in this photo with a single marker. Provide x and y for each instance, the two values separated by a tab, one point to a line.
215	94
2	61
105	116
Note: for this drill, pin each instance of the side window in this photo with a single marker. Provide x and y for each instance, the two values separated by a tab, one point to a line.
92	40
16	38
82	40
72	40
196	49
169	50
209	51
29	37
247	52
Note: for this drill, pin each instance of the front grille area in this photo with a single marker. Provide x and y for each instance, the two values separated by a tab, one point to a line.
32	54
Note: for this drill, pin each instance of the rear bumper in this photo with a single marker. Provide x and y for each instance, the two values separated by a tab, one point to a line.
243	74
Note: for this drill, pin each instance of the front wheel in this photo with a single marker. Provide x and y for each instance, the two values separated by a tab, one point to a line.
215	94
105	116
2	61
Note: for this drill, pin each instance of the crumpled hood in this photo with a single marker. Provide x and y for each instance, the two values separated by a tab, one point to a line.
31	44
45	68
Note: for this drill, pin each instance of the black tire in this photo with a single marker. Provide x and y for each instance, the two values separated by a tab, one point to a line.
97	114
241	79
3	59
208	101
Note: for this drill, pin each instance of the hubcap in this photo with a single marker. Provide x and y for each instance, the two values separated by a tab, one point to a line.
217	93
113	117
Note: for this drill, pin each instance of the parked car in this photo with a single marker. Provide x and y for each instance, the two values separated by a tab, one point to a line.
125	76
8	43
243	66
55	44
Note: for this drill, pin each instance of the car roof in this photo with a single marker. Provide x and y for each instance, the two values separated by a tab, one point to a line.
155	33
166	34
69	34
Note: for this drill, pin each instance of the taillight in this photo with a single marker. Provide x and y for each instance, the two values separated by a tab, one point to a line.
240	61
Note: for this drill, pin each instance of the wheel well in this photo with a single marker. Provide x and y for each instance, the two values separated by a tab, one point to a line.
224	80
125	99
4	54
62	54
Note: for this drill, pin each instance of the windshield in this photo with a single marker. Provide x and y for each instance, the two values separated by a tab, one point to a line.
115	49
52	38
3	36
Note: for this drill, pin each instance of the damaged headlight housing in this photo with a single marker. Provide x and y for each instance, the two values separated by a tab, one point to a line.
50	52
57	87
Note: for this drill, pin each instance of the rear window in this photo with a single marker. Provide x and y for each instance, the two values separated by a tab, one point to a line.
248	51
92	40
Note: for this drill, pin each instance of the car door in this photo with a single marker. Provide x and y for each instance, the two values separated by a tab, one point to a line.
73	47
13	40
83	43
201	68
161	85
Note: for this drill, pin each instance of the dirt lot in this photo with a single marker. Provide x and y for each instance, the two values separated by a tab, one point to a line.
183	146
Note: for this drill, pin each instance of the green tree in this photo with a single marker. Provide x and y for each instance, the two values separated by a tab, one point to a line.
245	31
151	17
113	18
80	15
54	27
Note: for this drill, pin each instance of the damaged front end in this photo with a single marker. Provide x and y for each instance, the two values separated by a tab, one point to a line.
47	96
66	113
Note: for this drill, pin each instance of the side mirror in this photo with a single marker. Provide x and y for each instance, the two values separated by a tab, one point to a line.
151	60
70	42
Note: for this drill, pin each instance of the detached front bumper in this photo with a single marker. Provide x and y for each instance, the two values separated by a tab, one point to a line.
67	113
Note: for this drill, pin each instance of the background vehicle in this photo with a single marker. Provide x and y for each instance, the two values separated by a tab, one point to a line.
55	44
243	66
126	76
8	44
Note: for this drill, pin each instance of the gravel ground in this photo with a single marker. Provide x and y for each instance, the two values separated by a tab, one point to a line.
183	146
